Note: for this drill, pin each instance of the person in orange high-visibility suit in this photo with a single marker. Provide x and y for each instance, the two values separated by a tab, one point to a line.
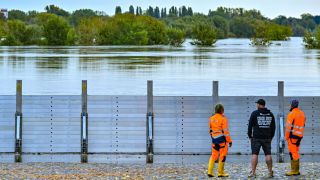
294	133
219	132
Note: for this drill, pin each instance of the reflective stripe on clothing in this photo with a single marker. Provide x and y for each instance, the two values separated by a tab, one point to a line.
298	132
295	124
218	125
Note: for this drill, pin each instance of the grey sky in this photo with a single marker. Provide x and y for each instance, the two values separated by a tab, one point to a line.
269	8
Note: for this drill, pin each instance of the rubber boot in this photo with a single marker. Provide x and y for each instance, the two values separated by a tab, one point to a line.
210	168
221	172
294	168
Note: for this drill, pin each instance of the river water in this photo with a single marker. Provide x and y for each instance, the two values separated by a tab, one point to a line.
122	70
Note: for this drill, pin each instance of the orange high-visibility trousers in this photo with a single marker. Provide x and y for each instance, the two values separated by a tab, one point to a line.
219	149
293	149
294	131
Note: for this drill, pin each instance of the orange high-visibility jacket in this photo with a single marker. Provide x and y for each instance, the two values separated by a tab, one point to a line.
295	123
218	127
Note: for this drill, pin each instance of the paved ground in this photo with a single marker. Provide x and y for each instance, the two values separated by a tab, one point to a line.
127	171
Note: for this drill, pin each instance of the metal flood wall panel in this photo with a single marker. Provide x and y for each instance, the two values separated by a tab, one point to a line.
117	124
7	123
238	111
310	143
181	123
51	124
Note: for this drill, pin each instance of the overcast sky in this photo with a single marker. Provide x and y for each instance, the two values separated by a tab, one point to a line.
269	8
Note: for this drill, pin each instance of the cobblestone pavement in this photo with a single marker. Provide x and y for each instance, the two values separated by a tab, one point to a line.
155	171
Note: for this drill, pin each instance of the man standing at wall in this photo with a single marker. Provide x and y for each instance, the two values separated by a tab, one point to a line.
261	131
294	134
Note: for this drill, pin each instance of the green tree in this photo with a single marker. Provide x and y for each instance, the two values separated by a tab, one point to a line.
184	11
56	30
190	11
17	14
150	11
157	12
81	14
3	26
173	12
56	10
312	40
222	26
137	11
261	37
128	29
16	33
204	35
176	37
88	30
242	27
34	34
118	10
131	9
72	37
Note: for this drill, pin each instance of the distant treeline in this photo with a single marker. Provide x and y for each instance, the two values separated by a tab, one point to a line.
151	26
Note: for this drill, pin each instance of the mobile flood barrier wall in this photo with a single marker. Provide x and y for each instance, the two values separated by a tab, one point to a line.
103	128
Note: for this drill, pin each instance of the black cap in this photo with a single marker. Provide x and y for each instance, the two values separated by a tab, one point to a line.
261	102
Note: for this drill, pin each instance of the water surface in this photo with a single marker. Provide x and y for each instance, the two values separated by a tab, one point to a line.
188	70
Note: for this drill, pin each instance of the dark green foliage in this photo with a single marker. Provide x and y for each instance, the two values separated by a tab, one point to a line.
241	27
131	9
17	15
55	30
56	10
118	10
16	33
128	29
81	14
88	27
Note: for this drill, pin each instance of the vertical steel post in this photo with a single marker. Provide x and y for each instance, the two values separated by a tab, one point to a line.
18	122
84	123
149	122
280	123
215	94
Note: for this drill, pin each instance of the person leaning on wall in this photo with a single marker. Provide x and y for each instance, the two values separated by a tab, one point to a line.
219	132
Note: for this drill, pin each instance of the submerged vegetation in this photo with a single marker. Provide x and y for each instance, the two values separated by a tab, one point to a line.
153	26
312	40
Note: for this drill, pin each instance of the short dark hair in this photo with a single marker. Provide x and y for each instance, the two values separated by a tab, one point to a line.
219	109
261	102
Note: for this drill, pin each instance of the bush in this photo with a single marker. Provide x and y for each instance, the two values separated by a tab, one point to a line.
176	37
204	35
266	32
128	29
16	33
55	30
312	41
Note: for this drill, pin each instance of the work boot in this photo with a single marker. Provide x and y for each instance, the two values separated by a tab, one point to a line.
221	172
252	175
294	168
270	174
210	168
